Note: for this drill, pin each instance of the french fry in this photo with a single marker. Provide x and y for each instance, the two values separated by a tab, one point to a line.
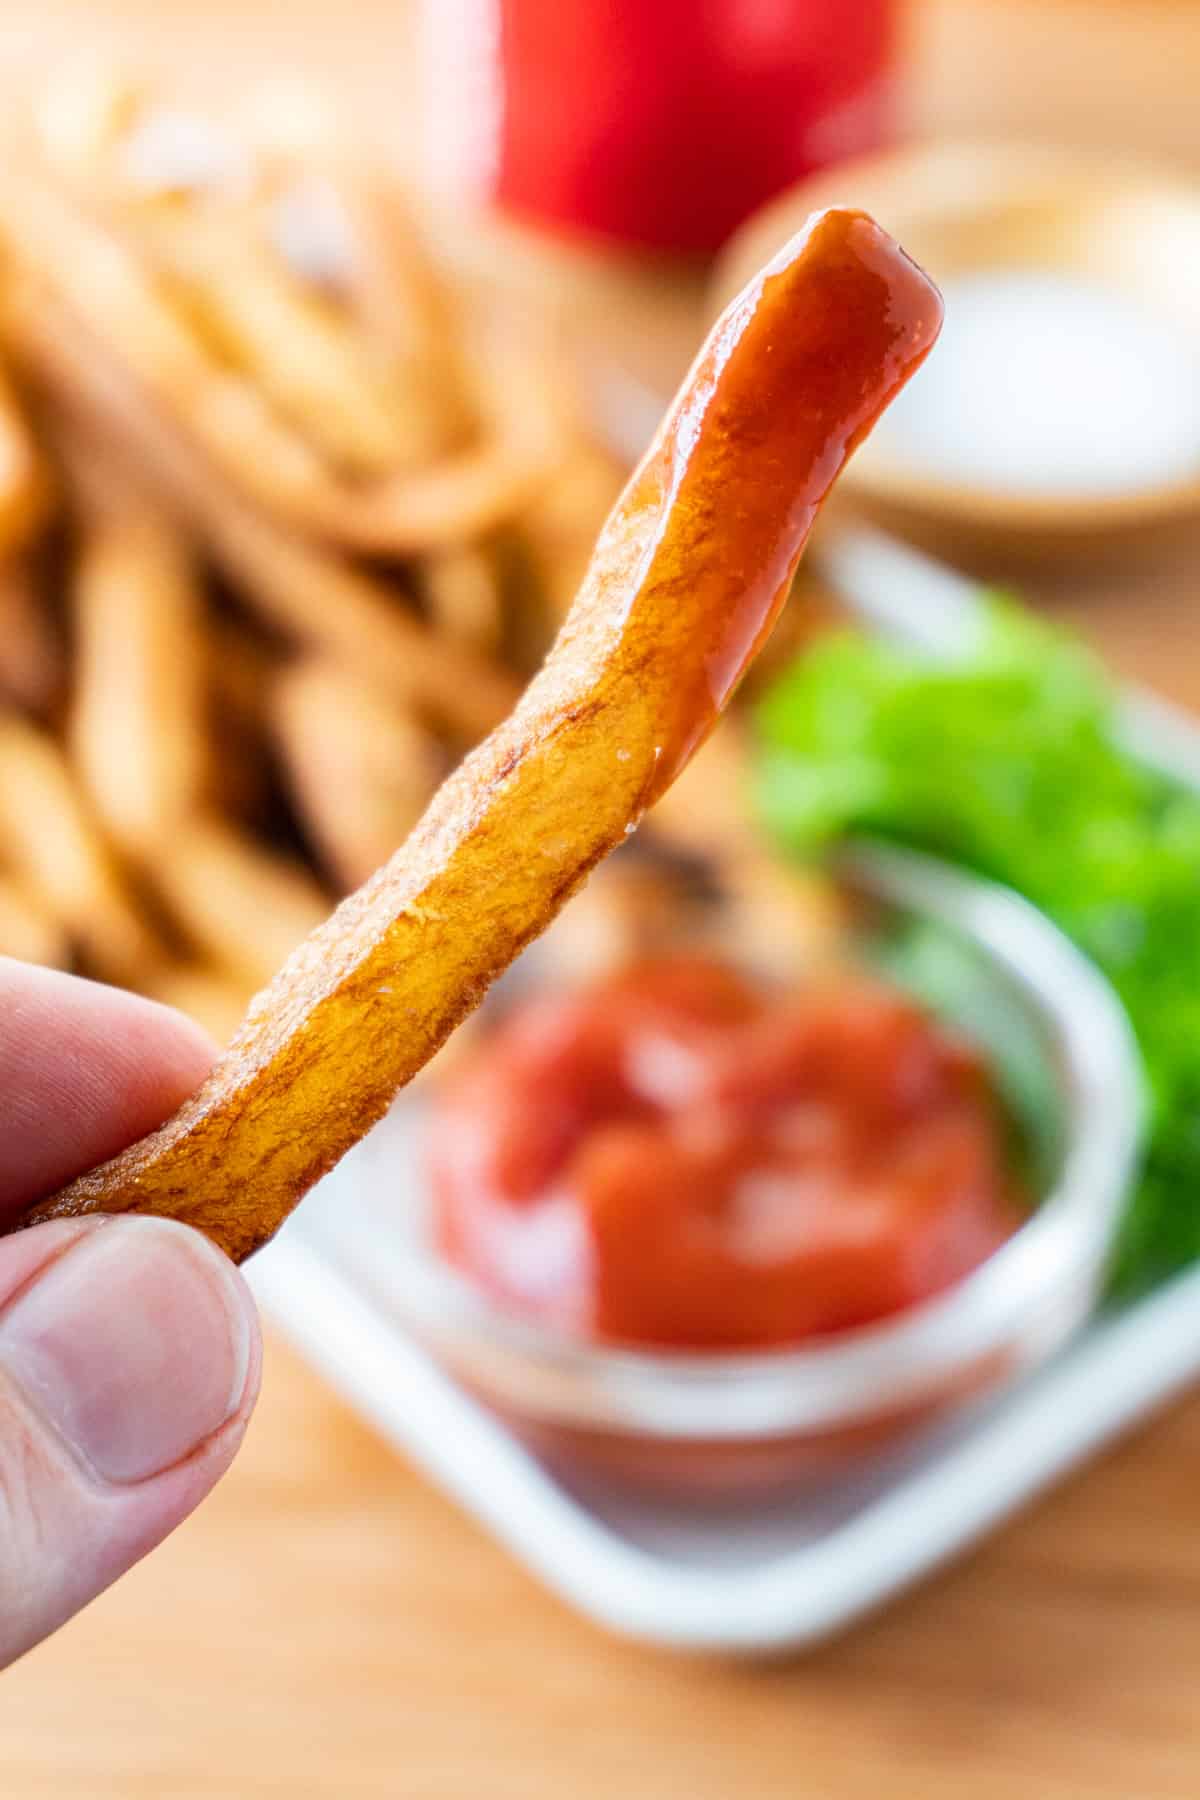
689	573
361	770
461	590
560	525
633	908
309	362
213	998
241	671
222	412
84	112
26	490
341	219
28	931
50	843
335	223
32	667
238	903
137	726
704	813
305	592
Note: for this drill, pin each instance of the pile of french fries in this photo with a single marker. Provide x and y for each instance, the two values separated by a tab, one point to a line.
283	528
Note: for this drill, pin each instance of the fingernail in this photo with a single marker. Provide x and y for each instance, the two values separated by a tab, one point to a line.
135	1346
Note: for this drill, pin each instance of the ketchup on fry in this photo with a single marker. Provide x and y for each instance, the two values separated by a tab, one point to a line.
677	1157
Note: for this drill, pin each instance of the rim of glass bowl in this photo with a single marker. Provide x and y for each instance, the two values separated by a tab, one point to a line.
1029	1292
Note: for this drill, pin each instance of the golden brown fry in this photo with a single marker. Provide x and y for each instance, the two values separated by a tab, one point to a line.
342	220
309	594
84	112
461	590
244	906
32	669
399	295
560	526
634	907
28	931
704	814
781	919
26	490
130	315
309	361
137	719
688	576
49	841
361	770
99	483
241	671
213	998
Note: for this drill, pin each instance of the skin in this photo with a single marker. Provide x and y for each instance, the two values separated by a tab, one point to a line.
152	1389
687	579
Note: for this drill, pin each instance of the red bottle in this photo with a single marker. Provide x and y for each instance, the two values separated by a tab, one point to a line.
656	122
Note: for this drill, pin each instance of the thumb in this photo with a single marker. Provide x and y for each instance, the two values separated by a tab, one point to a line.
129	1361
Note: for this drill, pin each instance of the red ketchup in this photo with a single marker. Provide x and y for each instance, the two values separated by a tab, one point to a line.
676	1157
662	123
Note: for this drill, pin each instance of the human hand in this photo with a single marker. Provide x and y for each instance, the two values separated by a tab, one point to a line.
129	1348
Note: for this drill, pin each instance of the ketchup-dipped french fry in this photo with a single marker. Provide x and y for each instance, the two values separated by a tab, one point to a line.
688	576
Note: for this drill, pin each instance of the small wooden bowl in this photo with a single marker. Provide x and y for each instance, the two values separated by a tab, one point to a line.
960	208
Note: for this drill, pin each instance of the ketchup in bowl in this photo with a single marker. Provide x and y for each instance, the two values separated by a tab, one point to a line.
677	1157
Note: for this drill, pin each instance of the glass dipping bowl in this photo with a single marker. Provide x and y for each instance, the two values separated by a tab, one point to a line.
705	1425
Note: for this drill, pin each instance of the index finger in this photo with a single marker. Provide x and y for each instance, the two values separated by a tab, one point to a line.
84	1070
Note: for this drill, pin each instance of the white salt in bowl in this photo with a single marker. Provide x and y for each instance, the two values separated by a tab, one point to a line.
1060	412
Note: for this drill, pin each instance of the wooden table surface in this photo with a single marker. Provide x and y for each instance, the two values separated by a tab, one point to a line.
328	1626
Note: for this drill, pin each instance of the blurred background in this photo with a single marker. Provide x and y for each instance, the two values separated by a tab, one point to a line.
331	334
